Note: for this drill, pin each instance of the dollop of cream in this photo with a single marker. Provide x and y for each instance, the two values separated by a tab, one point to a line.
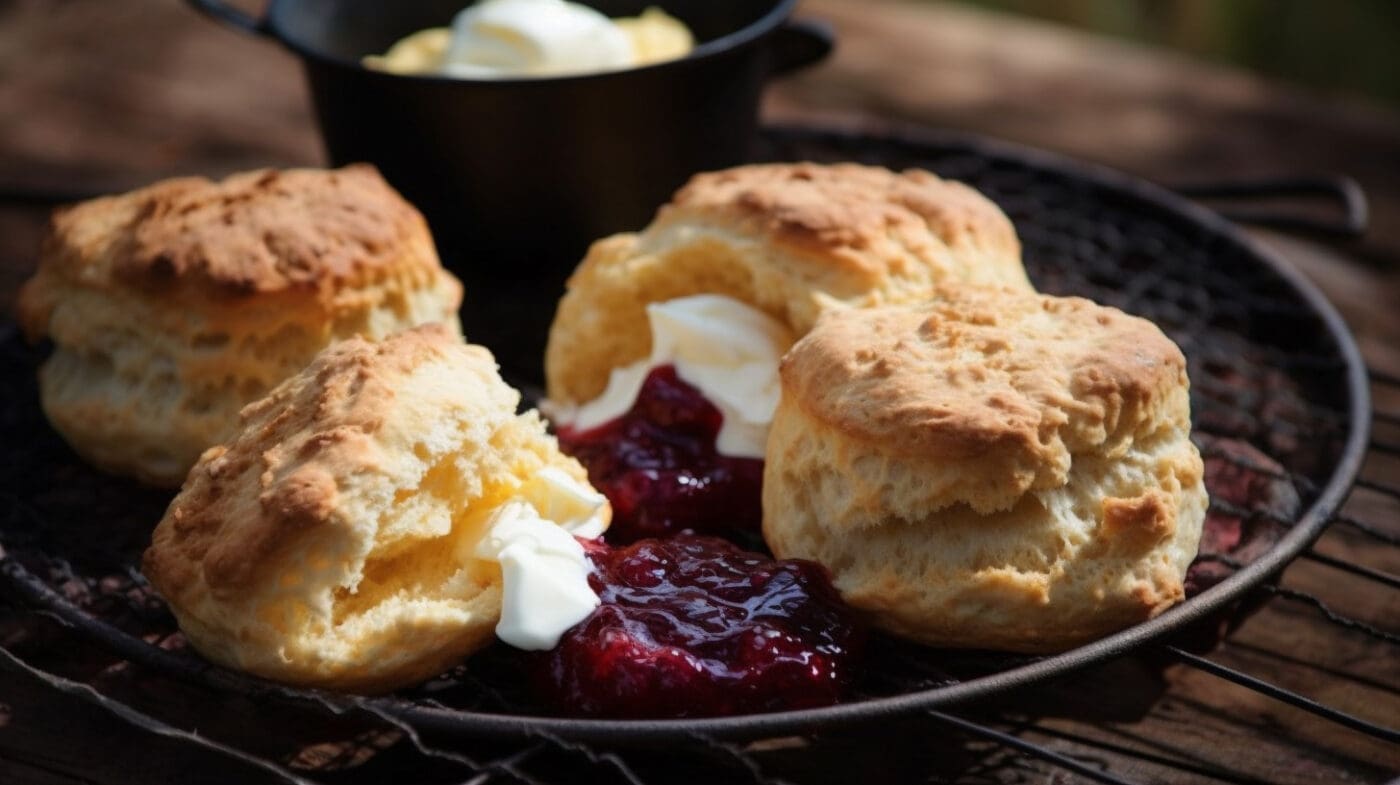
544	572
726	349
534	38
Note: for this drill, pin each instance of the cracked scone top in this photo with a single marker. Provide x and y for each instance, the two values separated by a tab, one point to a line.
172	306
332	542
991	470
791	240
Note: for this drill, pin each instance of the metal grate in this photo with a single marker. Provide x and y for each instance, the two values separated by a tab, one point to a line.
1271	369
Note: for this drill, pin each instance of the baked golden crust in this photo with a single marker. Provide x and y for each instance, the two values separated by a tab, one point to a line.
862	220
1008	385
331	542
793	240
990	470
173	306
257	232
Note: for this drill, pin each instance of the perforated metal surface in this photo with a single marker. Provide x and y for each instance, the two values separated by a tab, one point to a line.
1271	367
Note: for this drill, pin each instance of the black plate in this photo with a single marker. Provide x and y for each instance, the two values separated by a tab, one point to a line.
1272	365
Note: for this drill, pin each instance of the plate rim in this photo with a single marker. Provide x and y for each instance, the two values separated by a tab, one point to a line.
454	722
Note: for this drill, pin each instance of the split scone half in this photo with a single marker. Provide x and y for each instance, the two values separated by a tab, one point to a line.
786	240
356	534
993	469
173	306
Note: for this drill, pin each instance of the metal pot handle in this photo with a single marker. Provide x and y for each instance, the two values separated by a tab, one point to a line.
1350	220
800	43
228	15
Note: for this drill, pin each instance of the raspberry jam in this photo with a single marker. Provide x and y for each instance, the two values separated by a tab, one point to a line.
658	466
693	626
1251	499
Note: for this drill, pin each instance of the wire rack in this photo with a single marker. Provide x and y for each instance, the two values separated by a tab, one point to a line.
1271	398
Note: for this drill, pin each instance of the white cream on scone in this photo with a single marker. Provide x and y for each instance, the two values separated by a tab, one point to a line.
726	349
544	572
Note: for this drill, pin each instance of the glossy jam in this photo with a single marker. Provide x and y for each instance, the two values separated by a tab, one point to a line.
658	466
693	626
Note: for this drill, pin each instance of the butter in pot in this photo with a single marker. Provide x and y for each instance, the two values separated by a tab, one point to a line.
524	38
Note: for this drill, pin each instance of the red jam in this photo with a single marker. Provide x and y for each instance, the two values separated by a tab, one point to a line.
658	466
1251	503
694	627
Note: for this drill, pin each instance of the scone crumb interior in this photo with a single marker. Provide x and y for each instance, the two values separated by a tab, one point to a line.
331	543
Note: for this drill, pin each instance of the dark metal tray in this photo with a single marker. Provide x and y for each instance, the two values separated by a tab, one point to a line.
1272	365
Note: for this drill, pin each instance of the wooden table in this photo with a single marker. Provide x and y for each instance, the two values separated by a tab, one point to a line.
104	96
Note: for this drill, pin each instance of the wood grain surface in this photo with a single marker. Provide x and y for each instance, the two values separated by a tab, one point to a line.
98	95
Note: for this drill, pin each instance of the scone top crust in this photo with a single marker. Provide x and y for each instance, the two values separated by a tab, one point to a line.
792	240
1005	385
321	428
306	231
850	219
331	542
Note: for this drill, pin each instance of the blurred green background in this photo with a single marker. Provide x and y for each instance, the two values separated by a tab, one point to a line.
1347	46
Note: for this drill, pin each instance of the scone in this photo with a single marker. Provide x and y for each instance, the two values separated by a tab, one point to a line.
790	240
173	306
992	470
336	541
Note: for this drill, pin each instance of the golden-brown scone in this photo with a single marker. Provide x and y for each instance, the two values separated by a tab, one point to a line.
172	306
792	240
991	470
331	543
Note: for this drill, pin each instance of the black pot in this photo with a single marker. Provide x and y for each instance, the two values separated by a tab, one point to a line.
518	176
